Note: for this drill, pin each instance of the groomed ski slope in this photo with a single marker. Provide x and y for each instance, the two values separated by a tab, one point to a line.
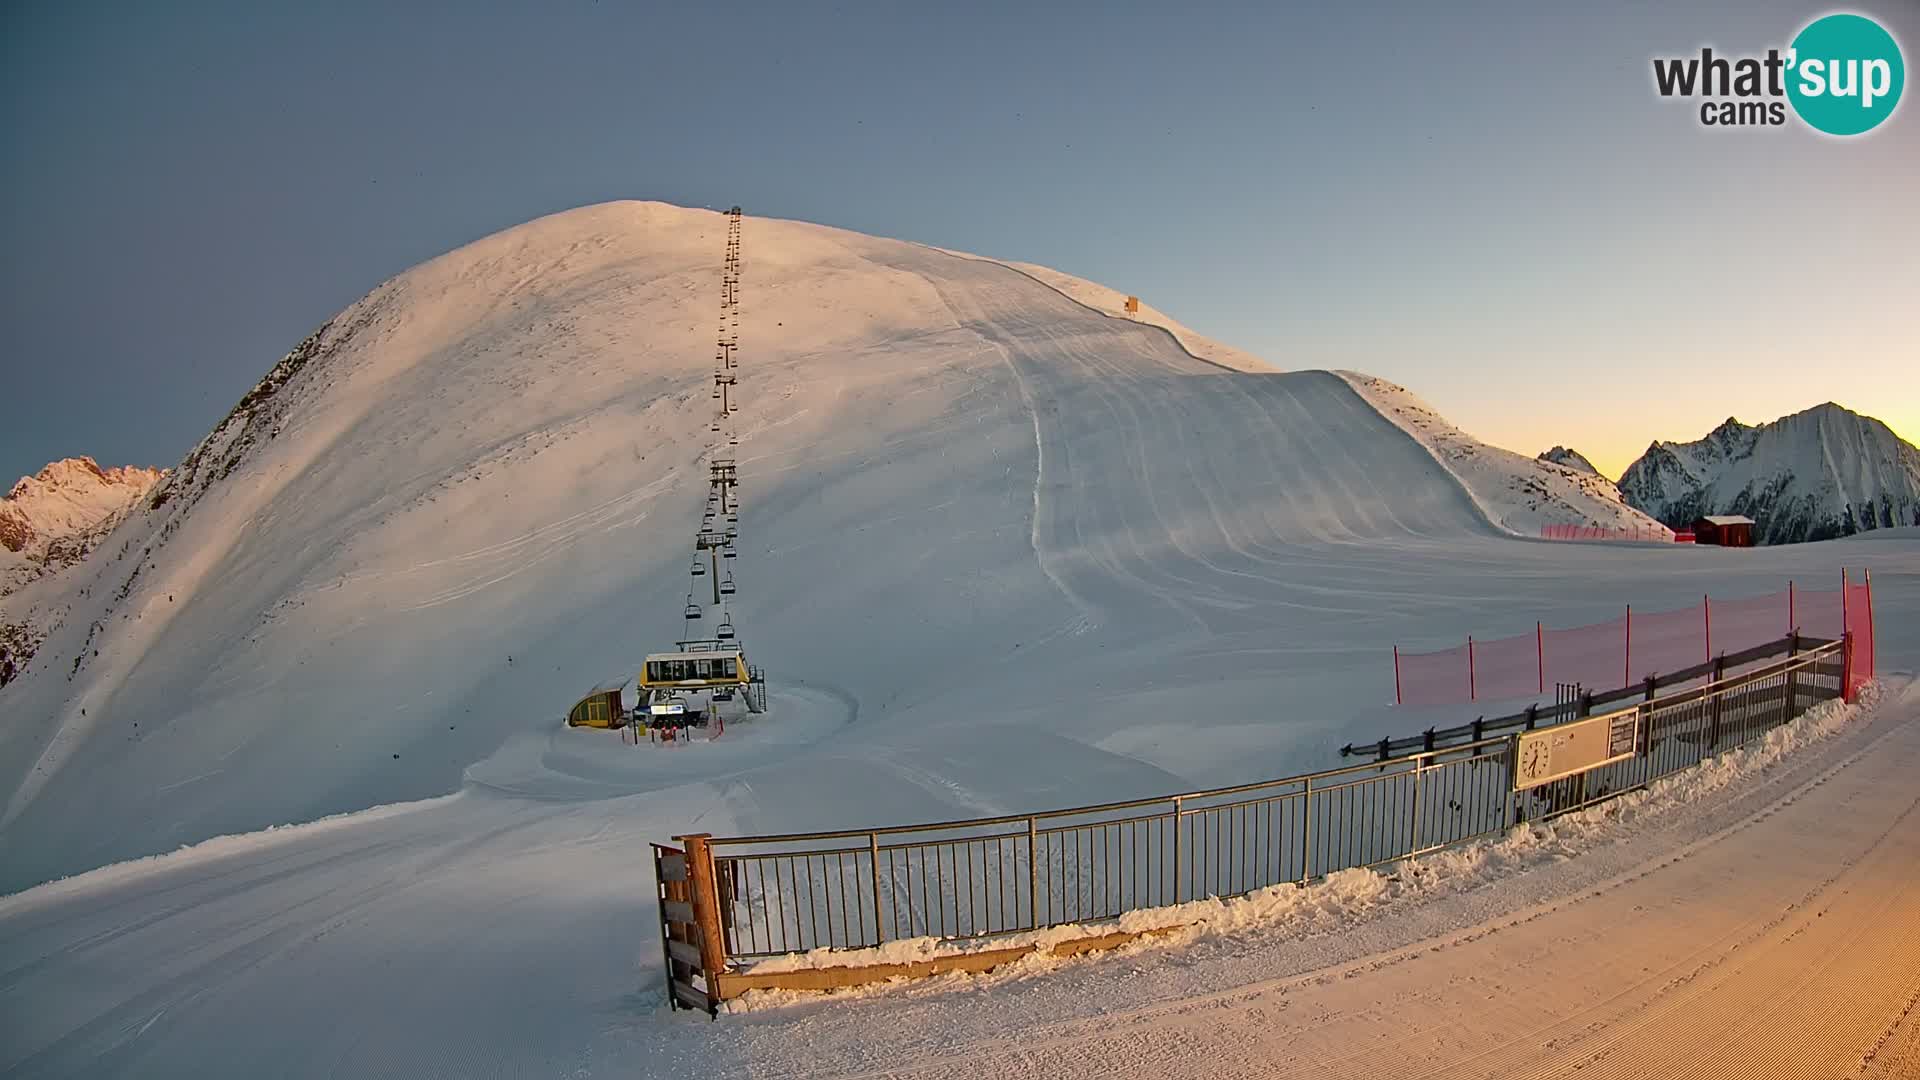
976	510
1000	553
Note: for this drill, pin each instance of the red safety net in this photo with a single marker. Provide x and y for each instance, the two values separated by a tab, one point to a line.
1593	655
1819	614
1595	532
1858	602
1753	620
1623	651
1507	668
1435	678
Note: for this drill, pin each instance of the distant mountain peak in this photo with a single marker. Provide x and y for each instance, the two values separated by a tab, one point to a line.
50	520
1572	459
1822	472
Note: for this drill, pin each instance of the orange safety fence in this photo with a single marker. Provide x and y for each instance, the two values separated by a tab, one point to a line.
1595	532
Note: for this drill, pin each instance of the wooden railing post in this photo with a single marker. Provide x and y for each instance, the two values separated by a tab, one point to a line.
706	908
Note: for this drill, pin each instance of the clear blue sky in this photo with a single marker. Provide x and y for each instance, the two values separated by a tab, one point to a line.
1484	201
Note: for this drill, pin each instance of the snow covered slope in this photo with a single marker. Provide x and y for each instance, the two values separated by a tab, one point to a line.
1814	475
467	498
1518	493
1113	303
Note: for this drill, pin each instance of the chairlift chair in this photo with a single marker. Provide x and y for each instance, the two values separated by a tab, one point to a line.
693	609
699	568
726	585
725	630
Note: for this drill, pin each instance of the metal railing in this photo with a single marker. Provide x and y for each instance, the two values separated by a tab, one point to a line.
994	876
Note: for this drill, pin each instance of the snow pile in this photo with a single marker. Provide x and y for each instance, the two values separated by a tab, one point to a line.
1341	900
1518	493
1815	475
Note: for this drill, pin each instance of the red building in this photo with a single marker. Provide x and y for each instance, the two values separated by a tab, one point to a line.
1725	530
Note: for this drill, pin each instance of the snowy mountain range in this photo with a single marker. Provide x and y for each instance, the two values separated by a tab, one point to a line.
1814	475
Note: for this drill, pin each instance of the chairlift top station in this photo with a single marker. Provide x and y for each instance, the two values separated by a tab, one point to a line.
717	662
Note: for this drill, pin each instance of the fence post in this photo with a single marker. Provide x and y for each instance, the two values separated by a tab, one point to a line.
1713	728
1306	829
1396	676
1033	869
1176	850
706	907
1507	818
1540	655
1413	830
873	855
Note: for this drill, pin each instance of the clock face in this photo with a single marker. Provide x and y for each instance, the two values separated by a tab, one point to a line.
1536	760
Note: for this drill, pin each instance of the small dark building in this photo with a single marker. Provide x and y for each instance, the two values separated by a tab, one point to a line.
1724	530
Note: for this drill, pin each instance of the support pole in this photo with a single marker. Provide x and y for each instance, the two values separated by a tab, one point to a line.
1473	688
1626	666
1397	699
1540	654
1706	616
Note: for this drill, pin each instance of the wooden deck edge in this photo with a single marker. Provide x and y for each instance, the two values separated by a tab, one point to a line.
733	984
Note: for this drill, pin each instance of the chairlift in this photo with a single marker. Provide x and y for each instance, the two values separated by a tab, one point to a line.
726	585
699	568
728	552
725	630
693	609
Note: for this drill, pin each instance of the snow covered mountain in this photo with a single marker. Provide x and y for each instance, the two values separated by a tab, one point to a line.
49	522
1572	459
1515	492
1817	474
467	498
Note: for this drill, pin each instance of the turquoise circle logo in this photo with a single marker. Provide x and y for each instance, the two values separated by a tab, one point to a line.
1845	74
